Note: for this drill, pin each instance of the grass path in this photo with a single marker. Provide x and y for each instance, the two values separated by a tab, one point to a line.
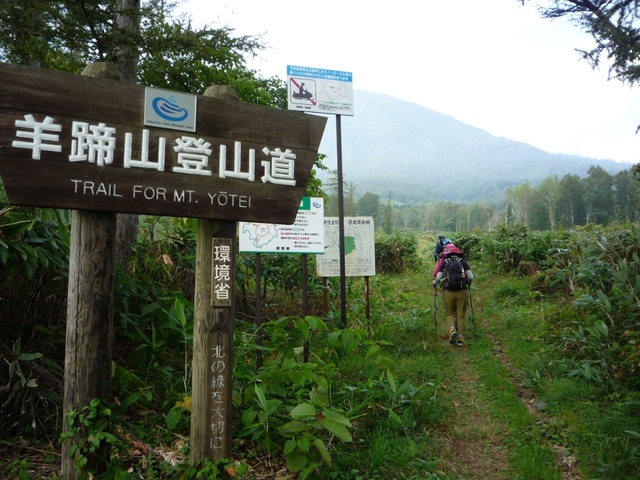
473	448
492	426
488	434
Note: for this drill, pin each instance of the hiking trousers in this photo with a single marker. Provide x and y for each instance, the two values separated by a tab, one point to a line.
455	302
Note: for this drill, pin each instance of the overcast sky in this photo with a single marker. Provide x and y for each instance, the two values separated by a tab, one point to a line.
493	64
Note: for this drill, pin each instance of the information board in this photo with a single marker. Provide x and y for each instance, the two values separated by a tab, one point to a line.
360	251
306	235
319	90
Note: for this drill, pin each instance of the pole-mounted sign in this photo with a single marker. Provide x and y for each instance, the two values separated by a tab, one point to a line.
305	235
68	141
326	91
319	90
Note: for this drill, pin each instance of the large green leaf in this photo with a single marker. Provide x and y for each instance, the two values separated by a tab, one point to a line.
173	417
392	381
338	429
395	417
337	417
293	427
373	351
322	448
302	410
262	400
296	462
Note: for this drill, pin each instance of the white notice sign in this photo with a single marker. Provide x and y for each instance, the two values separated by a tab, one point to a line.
319	90
306	235
360	248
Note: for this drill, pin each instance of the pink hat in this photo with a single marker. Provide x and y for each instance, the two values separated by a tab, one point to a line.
451	249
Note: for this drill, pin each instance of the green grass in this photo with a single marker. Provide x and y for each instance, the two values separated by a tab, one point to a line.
535	461
421	408
599	428
480	392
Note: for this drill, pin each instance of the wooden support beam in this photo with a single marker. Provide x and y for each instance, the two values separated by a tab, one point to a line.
90	298
213	332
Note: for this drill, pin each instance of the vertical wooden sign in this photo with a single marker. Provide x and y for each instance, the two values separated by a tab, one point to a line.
213	341
221	278
213	332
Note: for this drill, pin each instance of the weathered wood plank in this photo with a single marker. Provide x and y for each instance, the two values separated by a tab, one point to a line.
212	372
90	303
233	131
89	337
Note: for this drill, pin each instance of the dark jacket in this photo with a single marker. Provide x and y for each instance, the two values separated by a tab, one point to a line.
465	266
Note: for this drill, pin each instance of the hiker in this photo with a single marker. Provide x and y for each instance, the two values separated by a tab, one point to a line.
450	247
455	275
439	247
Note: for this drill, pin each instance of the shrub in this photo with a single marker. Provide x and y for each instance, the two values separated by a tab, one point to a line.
396	253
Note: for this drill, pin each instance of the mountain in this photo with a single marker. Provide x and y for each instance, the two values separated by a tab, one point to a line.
396	147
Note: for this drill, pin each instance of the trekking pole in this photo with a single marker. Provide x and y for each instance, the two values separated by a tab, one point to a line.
435	312
473	315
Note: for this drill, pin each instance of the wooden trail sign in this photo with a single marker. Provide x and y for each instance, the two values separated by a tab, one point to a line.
103	146
68	141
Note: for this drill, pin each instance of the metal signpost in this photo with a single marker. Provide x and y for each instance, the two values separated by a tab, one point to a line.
317	90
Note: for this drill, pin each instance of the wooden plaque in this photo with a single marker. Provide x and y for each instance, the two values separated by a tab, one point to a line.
69	141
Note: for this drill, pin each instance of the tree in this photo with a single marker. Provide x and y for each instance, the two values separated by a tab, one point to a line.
350	200
520	202
368	205
549	191
127	21
331	207
571	202
58	35
314	184
388	217
67	35
615	27
402	217
613	24
627	197
599	200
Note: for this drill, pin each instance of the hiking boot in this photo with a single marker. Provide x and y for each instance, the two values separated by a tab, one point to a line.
460	340
453	335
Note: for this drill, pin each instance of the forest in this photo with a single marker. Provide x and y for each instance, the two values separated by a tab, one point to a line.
556	203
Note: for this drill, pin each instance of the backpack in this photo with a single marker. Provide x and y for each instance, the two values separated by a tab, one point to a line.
454	276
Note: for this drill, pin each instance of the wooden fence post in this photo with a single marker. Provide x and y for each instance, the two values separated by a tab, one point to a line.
213	332
89	337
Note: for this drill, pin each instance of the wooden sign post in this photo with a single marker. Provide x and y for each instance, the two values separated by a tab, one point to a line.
213	325
92	144
213	341
89	334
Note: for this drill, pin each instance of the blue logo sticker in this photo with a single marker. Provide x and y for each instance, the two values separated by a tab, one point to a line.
317	204
169	109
